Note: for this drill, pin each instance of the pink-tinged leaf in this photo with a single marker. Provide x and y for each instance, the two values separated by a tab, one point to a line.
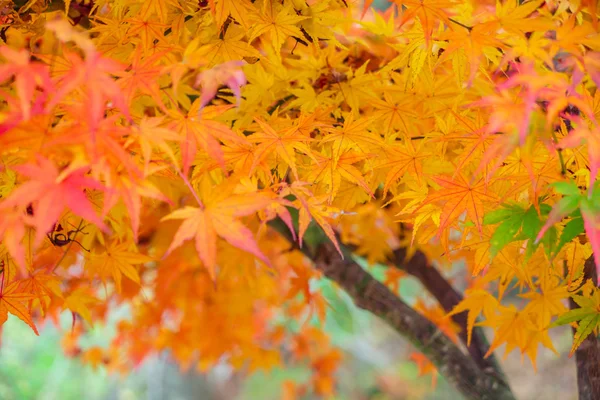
592	65
27	75
66	32
202	132
591	223
286	217
50	191
229	74
217	218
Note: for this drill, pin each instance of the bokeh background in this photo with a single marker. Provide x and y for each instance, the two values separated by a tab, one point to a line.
377	364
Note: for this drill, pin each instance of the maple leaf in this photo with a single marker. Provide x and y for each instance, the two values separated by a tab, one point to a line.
396	112
229	74
28	75
353	135
203	132
583	134
284	143
65	32
514	16
230	47
94	356
79	301
218	219
331	172
279	26
12	231
458	196
366	6
160	8
403	159
572	200
590	211
313	208
428	12
95	75
519	223
516	329
475	43
150	134
148	31
142	76
425	367
548	302
44	286
49	191
131	190
115	260
240	10
12	300
476	302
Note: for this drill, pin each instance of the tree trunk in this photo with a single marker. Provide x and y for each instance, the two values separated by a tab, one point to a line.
587	355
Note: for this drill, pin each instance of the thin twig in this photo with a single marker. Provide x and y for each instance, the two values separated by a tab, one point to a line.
563	168
467	27
67	249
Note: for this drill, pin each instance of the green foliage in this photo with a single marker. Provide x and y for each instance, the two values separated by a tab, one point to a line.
518	223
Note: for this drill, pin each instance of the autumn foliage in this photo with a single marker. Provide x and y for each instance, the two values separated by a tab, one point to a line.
185	158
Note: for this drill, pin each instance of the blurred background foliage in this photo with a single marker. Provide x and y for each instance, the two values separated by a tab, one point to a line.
376	363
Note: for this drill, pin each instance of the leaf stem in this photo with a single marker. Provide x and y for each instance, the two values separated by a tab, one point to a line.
563	168
189	186
467	27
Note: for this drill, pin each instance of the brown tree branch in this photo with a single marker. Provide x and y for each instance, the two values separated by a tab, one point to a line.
587	355
371	295
429	276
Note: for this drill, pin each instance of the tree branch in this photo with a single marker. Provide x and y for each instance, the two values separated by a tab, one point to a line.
371	295
419	267
587	355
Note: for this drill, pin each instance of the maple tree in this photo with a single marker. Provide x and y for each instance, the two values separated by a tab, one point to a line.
205	161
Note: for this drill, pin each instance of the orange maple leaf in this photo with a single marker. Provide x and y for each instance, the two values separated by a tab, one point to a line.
283	143
218	217
203	132
12	300
458	196
142	76
429	12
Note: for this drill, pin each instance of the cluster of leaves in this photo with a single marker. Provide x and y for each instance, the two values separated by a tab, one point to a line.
146	144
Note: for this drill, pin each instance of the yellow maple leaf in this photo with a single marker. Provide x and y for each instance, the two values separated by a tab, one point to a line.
278	26
116	260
